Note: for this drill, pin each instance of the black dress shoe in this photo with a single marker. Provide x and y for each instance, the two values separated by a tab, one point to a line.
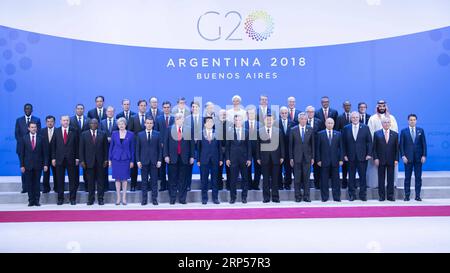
244	200
172	202
391	199
183	202
216	202
133	188
73	203
364	199
351	198
30	204
155	203
298	200
276	201
23	191
324	200
406	199
60	203
418	199
232	201
307	199
101	203
204	202
266	201
90	203
37	204
381	199
143	203
337	200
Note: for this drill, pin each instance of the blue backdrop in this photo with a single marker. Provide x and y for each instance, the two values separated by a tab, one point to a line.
412	73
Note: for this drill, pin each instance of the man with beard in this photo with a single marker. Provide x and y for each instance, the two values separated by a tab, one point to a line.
374	124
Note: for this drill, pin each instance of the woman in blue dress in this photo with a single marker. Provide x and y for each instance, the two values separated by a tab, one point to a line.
121	158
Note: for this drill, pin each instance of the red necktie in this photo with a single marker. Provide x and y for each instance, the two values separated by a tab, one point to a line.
179	141
33	143
93	137
292	114
167	121
65	136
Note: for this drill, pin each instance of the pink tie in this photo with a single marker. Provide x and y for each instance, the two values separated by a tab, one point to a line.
33	143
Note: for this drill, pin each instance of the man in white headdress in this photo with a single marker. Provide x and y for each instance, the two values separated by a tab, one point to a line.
375	125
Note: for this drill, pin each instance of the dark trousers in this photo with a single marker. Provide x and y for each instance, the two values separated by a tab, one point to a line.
46	178
384	189
134	175
33	178
189	176
254	182
316	171
416	165
163	175
177	181
96	179
220	176
286	167
344	175
270	172
302	172
24	182
328	172
85	179
353	167
205	170
235	169
149	174
73	182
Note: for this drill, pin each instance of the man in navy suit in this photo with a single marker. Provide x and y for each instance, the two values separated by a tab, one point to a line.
252	126
194	121
108	125
136	125
317	125
238	156
329	157
21	130
326	112
385	155
33	158
357	142
292	112
94	159
163	122
126	113
209	158
413	150
301	155
178	154
99	112
343	120
47	137
221	125
263	109
270	155
80	123
148	158
65	156
362	110
154	111
285	125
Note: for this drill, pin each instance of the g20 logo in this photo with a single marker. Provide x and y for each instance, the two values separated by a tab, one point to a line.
258	26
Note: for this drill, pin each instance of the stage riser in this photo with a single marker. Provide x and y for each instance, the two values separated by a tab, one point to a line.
195	196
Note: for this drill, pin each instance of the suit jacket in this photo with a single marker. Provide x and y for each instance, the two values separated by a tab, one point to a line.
74	124
171	145
159	112
285	136
253	134
94	114
359	149
238	151
331	114
387	153
187	112
69	151
317	126
149	151
134	124
413	150
124	151
260	115
295	119
272	148
342	121
33	159
104	127
329	155
22	129
160	125
122	115
301	151
366	120
44	135
90	151
209	150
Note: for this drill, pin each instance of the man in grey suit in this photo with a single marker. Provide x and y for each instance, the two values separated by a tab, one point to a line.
301	154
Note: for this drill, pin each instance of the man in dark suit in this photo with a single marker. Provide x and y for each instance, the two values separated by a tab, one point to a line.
221	128
137	125
194	121
317	125
329	157
326	112
94	160
385	155
21	130
238	156
413	150
292	112
301	154
108	125
163	122
357	144
263	109
252	126
47	137
363	116
126	113
209	158
33	158
80	123
148	158
99	112
178	154
154	111
65	153
181	107
285	125
343	120
270	155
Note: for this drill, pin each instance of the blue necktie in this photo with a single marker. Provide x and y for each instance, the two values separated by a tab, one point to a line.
79	122
110	125
142	121
303	134
329	137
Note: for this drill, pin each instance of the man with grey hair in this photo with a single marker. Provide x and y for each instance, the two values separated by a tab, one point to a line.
292	112
154	111
108	125
317	125
285	126
252	126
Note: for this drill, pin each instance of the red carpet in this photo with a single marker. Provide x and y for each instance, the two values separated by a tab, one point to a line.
220	214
